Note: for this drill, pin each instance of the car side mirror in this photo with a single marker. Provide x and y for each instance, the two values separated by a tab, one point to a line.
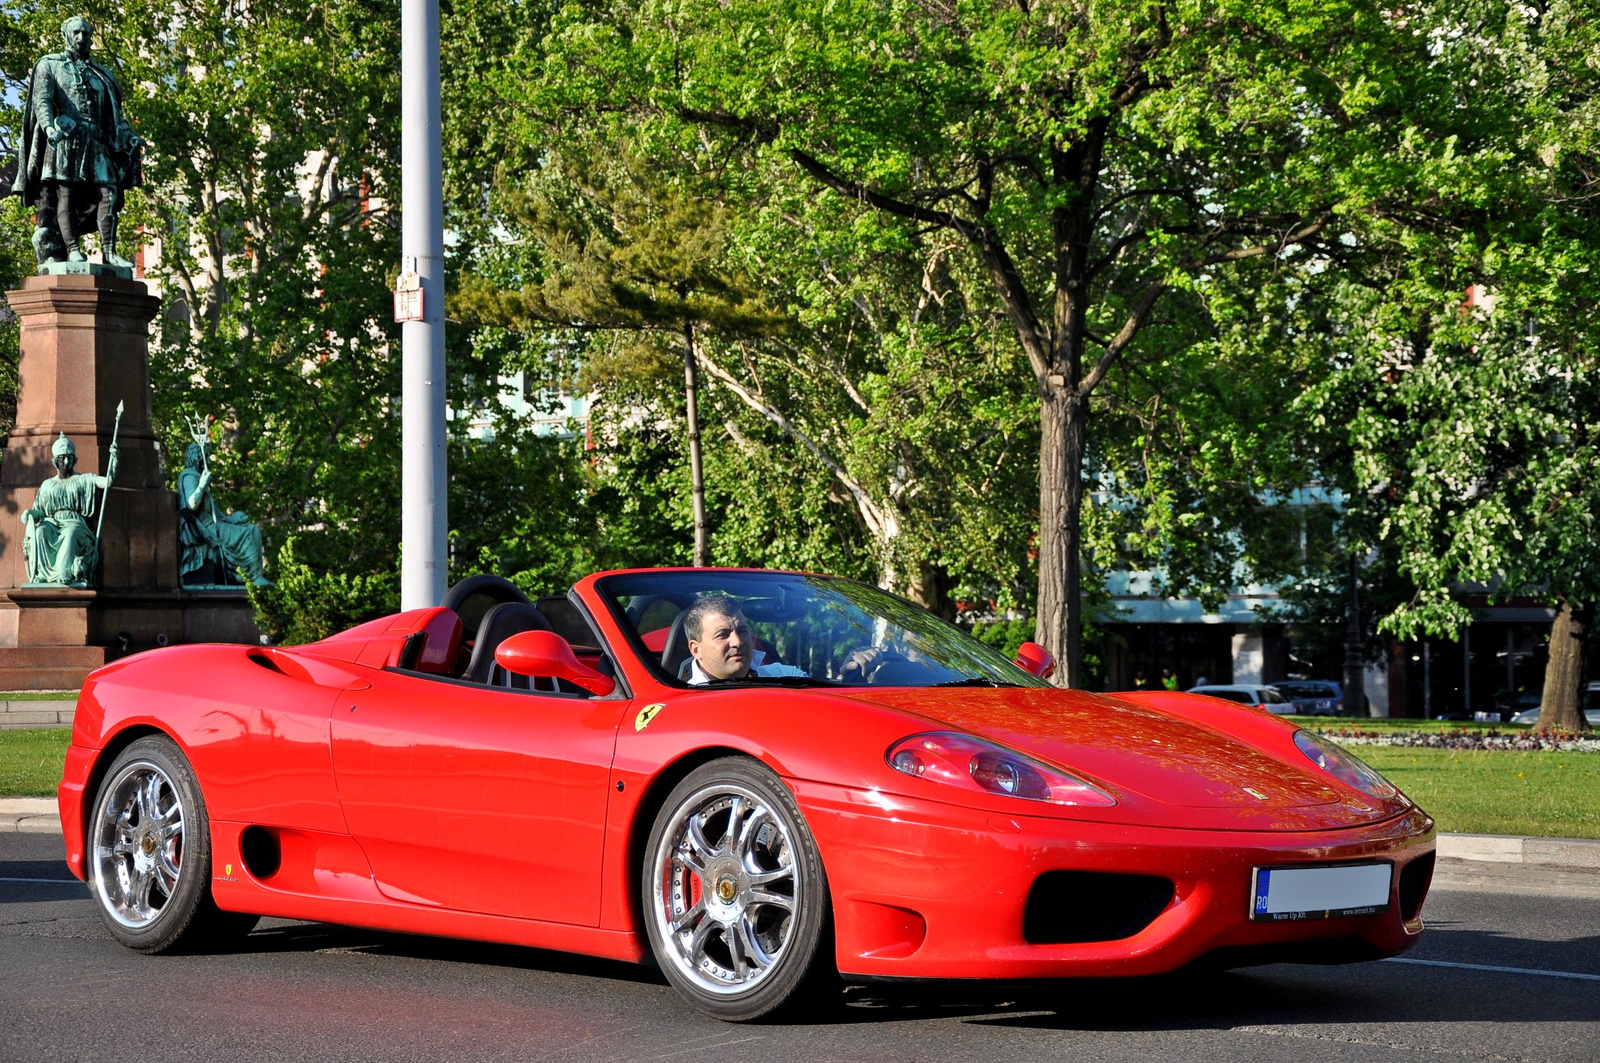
544	653
1035	660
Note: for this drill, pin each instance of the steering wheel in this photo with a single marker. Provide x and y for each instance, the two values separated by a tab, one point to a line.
865	673
476	595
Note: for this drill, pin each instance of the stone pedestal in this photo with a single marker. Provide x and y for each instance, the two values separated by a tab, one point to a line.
84	349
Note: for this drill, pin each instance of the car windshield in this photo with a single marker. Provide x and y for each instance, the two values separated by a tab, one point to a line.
808	631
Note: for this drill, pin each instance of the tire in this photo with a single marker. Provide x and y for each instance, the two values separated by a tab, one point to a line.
149	854
734	896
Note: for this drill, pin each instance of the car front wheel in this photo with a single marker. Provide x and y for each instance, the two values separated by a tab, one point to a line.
736	901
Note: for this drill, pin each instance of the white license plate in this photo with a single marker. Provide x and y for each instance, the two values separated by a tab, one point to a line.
1283	893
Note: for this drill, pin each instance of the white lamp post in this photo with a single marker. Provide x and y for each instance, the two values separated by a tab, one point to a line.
424	518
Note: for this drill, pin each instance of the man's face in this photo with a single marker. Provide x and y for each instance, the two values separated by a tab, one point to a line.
79	39
725	648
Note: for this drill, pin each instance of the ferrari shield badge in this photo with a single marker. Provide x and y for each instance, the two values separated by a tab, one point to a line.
646	714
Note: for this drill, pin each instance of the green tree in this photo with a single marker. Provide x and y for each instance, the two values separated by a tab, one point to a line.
1464	406
627	251
1091	161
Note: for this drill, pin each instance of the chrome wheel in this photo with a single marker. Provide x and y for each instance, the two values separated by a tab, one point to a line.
138	844
727	893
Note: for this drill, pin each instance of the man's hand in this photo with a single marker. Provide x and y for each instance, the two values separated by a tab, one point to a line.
861	663
61	127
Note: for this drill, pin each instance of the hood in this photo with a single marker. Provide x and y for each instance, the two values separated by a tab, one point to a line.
1164	768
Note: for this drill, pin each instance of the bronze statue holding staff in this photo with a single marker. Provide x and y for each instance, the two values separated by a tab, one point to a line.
58	547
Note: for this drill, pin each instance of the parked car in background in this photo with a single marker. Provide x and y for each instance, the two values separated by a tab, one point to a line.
1313	697
1532	716
1262	697
1510	704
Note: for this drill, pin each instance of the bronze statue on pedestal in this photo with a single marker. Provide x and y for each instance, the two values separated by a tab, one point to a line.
79	155
213	550
58	546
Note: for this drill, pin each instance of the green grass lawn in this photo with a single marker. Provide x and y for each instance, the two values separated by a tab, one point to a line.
1471	792
1497	792
38	695
30	761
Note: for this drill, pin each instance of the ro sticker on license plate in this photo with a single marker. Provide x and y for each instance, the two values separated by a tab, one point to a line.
1286	893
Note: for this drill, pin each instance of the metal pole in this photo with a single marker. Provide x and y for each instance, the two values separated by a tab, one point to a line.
424	523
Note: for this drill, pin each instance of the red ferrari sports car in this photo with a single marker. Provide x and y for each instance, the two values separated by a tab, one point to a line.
763	781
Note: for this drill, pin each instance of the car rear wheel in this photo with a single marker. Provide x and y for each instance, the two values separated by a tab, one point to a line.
735	900
150	854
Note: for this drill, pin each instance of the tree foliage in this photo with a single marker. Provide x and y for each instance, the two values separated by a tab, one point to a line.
1090	163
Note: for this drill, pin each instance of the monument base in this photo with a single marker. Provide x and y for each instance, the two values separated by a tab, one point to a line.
84	358
85	269
50	667
219	614
51	638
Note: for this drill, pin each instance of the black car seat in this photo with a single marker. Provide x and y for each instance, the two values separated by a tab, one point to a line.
499	624
675	651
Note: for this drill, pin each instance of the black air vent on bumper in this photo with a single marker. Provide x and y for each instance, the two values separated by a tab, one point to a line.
1414	880
1074	907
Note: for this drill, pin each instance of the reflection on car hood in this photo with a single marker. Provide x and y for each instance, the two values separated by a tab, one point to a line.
1179	771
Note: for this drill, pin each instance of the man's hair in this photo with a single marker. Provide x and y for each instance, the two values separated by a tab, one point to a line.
75	20
708	605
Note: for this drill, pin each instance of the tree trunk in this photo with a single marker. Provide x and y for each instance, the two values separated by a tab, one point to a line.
1355	691
1064	429
697	482
929	586
1562	704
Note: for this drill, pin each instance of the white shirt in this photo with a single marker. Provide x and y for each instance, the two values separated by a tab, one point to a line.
697	678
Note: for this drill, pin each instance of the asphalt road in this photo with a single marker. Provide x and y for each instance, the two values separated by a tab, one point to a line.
300	991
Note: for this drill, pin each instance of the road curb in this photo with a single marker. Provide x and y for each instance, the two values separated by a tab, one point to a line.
31	714
29	815
1577	853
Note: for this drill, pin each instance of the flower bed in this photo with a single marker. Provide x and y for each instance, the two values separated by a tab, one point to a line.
1550	741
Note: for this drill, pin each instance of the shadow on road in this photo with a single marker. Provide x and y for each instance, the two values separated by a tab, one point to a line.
325	937
1192	1000
1358	993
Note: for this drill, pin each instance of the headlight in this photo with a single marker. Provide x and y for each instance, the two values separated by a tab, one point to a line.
973	764
1343	766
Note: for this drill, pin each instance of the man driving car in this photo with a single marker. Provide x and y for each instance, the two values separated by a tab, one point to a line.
721	647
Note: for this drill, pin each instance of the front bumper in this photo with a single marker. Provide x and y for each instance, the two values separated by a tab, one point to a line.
923	889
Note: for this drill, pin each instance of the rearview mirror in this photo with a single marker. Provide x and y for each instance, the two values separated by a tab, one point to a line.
1035	660
544	653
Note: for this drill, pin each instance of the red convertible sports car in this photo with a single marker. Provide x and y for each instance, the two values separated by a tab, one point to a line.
763	781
